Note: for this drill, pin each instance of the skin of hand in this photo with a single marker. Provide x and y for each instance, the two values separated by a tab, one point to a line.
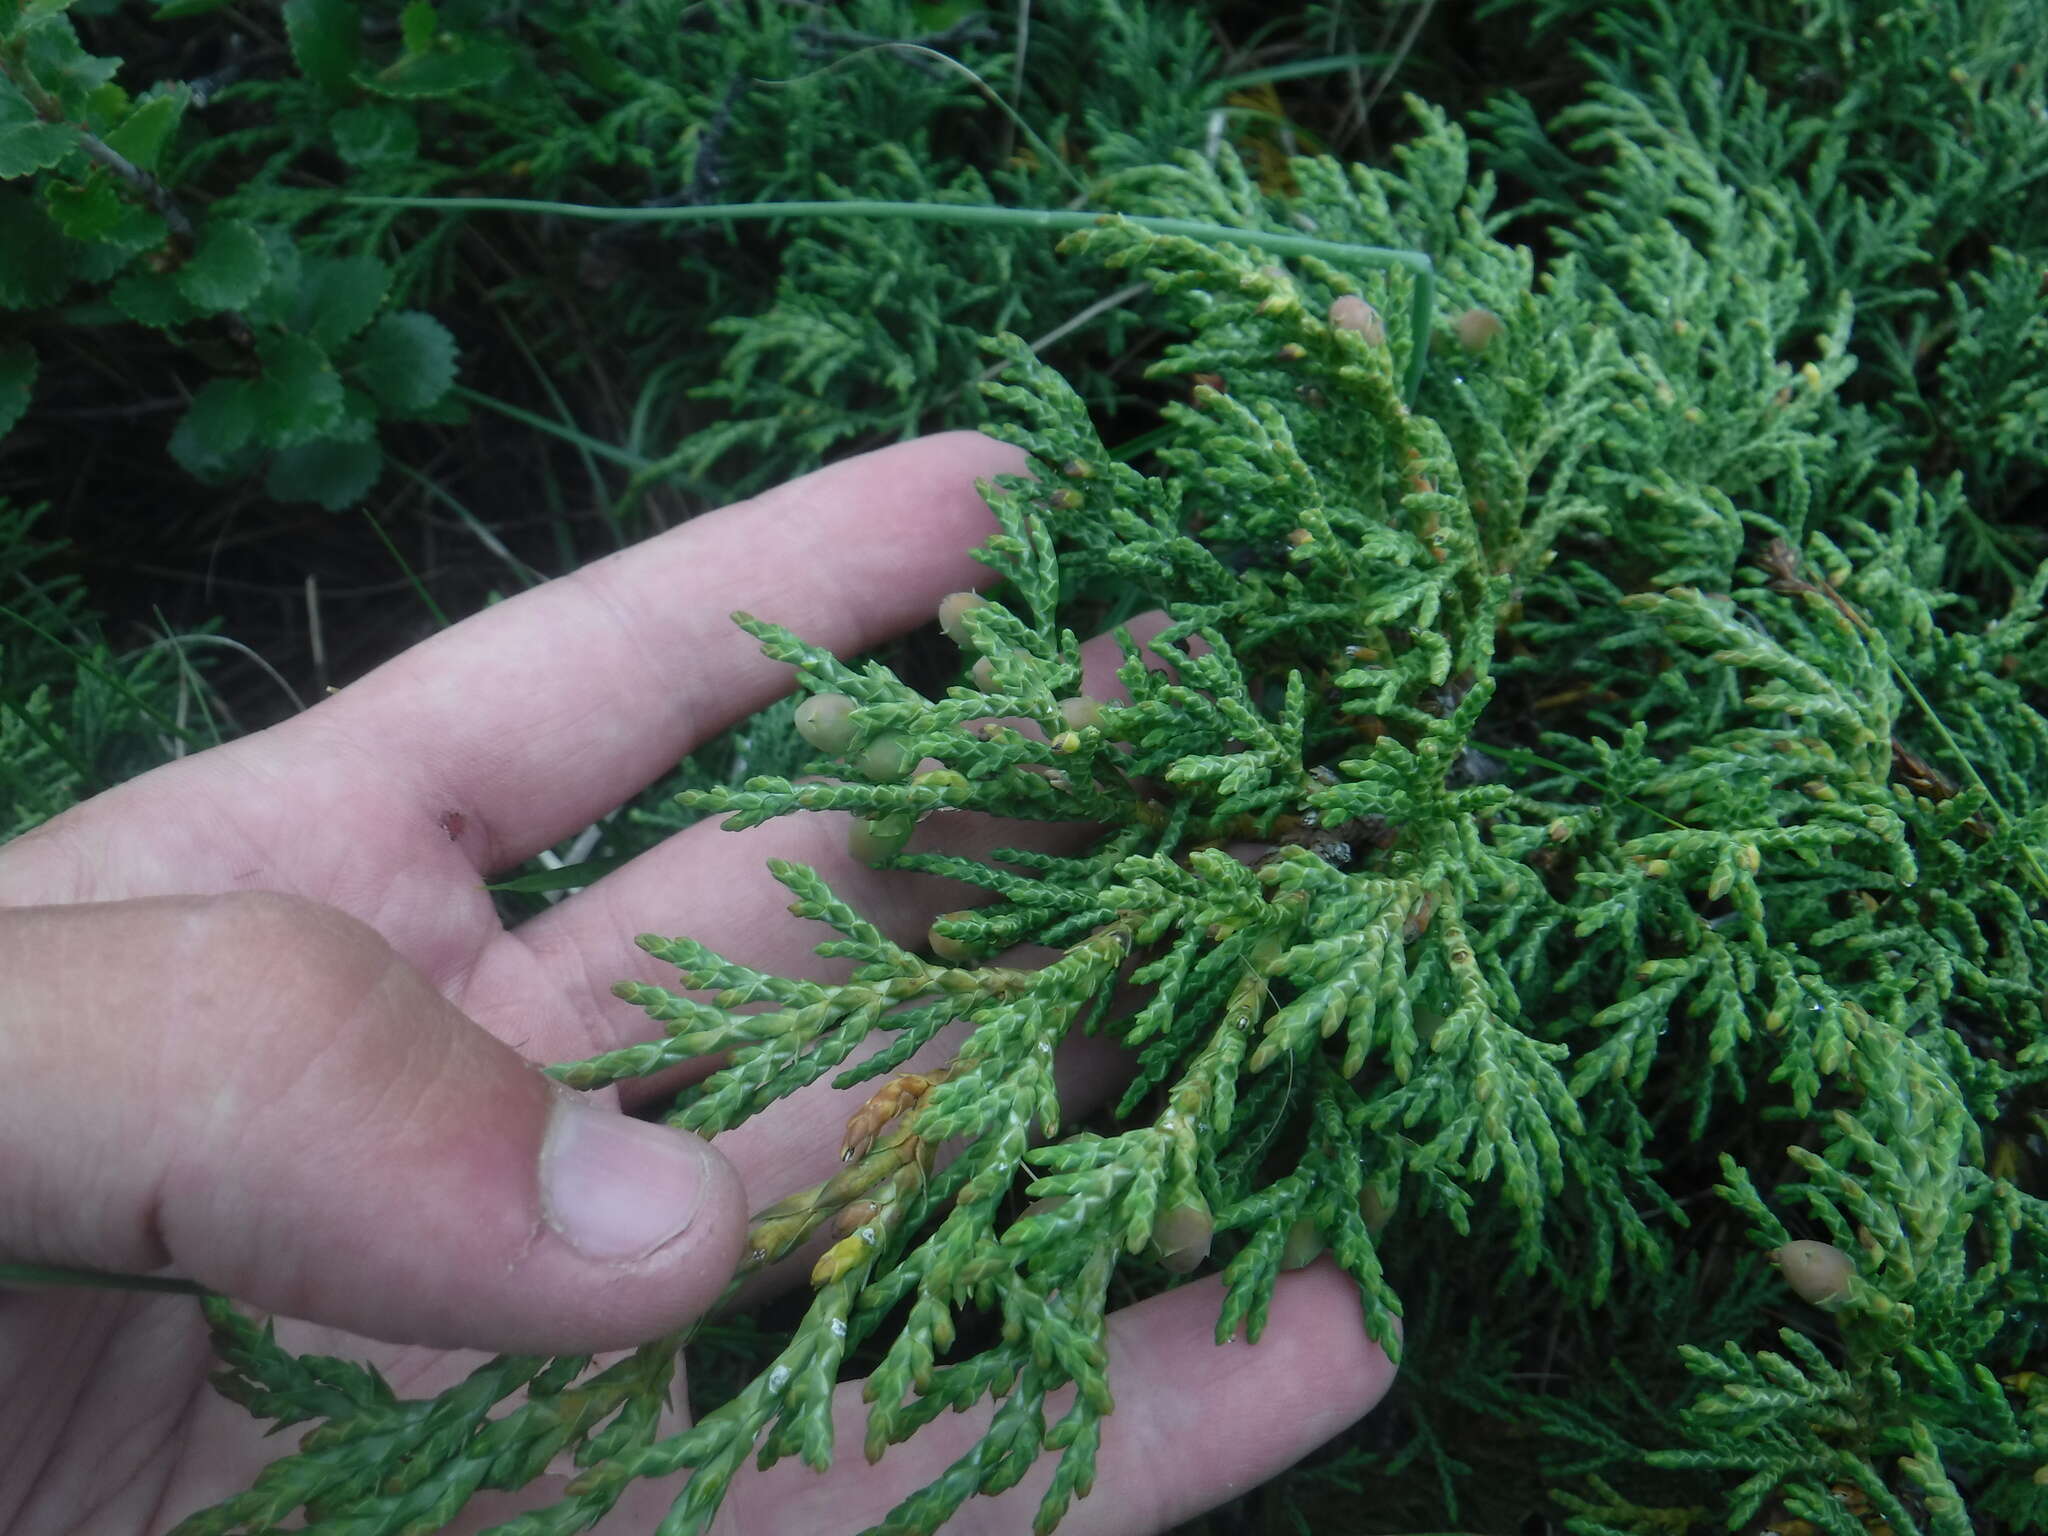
260	1027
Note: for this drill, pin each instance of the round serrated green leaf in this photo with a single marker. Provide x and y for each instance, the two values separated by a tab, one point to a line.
138	229
150	299
214	433
33	270
418	24
407	360
17	378
278	304
453	65
334	472
338	296
104	260
140	137
299	395
26	148
327	40
58	62
83	211
228	268
105	105
379	134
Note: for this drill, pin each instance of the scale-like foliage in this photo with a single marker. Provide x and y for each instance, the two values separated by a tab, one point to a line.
1581	829
75	717
1478	978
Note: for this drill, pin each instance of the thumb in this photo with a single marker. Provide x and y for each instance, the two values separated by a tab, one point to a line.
256	1092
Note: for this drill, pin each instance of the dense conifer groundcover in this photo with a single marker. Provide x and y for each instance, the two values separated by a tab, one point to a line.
1597	502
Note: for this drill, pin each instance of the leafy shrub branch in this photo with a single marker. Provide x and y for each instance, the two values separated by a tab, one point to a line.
1573	853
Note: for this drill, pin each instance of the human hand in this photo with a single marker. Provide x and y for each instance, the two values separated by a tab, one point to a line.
260	1027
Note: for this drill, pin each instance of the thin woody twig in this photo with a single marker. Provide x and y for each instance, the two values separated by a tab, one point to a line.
139	181
152	191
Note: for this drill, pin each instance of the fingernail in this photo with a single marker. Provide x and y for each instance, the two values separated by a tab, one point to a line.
616	1188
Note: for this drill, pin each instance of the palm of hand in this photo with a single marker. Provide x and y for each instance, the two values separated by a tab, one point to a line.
471	752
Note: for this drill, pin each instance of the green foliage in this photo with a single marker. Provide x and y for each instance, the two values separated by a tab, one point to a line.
1639	728
75	716
210	216
96	221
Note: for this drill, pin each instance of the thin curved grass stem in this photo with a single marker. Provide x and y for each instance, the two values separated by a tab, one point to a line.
1422	311
46	1276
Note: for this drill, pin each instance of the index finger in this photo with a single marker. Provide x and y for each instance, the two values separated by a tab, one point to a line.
1195	1422
539	715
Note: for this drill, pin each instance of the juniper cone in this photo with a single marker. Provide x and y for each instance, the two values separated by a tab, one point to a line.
825	721
1354	314
1081	713
1819	1272
887	758
876	839
953	615
1476	329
